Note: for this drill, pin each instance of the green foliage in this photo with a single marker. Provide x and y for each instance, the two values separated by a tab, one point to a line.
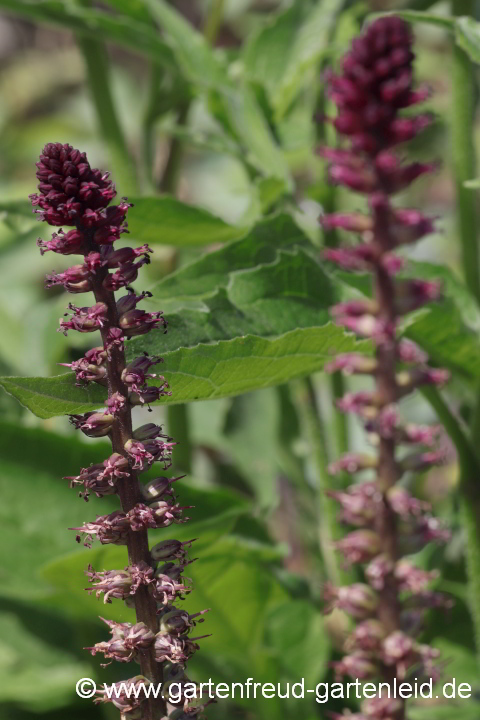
48	397
281	55
170	222
126	31
248	311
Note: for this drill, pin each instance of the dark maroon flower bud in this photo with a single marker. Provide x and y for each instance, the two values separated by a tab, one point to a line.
136	373
359	546
115	403
358	600
367	636
378	570
69	243
409	352
149	394
93	261
139	636
85	319
139	322
361	403
411	578
418	462
363	181
382	708
413	294
410	226
352	364
352	222
115	339
361	258
76	279
360	503
404	504
108	529
127	696
69	187
167	589
158	487
113	583
87	369
169	648
124	276
397	647
357	665
352	463
146	452
93	480
127	255
93	424
171	550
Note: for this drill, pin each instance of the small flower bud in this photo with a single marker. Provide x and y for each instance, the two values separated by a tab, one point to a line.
93	424
170	550
359	546
358	600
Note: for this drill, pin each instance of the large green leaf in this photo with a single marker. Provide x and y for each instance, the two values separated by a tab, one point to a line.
280	55
251	315
48	397
35	675
38	506
123	30
204	276
206	372
171	222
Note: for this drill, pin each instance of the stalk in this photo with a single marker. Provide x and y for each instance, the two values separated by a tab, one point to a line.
128	487
73	194
373	87
465	168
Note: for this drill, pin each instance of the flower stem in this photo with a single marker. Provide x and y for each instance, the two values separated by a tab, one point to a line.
129	493
464	161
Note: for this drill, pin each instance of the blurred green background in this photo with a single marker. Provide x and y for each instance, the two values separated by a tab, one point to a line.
91	75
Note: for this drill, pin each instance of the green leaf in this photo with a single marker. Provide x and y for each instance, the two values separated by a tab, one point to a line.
170	222
36	675
205	372
203	69
296	631
204	276
280	55
38	506
449	330
49	397
21	208
467	36
417	16
195	57
250	124
123	30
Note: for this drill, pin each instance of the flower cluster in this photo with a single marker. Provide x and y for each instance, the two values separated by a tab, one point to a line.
73	195
374	85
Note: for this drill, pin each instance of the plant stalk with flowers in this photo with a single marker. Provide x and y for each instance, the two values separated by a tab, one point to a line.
375	84
72	194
